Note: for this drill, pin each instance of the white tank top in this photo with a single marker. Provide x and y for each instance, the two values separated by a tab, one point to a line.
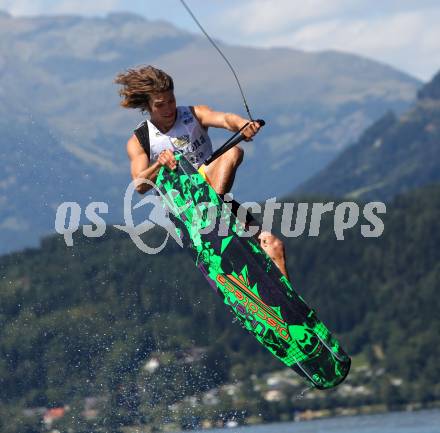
186	135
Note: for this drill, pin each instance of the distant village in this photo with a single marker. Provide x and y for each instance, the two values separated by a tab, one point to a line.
278	388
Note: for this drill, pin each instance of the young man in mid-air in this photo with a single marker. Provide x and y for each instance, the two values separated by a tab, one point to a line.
173	128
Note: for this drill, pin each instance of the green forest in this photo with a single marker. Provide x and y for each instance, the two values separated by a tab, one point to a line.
82	322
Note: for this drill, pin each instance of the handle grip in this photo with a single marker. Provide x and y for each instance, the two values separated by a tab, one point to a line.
233	141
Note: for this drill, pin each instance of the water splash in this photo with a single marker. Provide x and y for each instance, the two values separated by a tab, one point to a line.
302	394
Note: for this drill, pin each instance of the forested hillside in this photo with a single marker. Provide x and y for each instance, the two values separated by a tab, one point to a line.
394	155
87	320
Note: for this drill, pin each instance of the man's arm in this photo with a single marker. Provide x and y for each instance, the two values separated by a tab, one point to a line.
217	119
140	164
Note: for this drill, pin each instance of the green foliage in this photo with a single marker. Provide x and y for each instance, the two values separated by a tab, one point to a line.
83	321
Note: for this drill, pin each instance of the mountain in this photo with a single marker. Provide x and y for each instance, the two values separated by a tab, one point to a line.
394	155
57	74
37	175
85	321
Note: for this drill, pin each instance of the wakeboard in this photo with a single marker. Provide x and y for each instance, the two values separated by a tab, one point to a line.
248	281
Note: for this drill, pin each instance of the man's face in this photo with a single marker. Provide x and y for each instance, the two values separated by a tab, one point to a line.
163	107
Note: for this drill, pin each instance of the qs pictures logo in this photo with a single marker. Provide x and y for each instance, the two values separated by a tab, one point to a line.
68	216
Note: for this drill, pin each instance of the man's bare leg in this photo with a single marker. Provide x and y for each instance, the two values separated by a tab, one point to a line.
221	172
274	248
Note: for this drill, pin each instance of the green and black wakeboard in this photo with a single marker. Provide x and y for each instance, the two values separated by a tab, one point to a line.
248	281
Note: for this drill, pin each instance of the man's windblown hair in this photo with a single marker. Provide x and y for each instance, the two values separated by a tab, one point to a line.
140	83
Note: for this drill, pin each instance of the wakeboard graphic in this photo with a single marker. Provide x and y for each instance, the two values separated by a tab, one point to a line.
247	280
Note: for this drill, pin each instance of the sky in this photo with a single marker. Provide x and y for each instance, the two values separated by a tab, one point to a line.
401	33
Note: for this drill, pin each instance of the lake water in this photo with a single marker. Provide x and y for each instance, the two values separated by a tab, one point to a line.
396	422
